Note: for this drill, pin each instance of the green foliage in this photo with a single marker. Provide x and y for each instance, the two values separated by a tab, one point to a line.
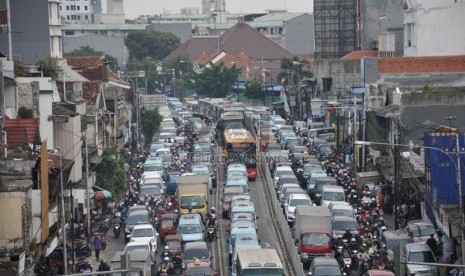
293	71
87	51
216	81
24	113
150	69
110	172
254	90
156	45
49	68
150	123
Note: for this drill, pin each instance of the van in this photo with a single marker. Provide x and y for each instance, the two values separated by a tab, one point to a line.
419	252
314	175
332	194
395	238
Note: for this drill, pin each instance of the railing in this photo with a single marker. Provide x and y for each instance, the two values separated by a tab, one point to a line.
288	243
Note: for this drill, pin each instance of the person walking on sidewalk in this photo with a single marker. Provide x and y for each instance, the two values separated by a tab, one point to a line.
97	246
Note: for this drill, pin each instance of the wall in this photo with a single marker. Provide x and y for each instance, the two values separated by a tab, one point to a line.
345	74
183	30
46	125
372	25
444	19
24	14
68	137
300	35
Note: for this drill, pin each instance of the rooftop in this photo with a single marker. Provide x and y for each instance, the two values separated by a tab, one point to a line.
419	65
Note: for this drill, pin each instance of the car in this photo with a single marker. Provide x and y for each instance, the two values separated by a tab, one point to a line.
199	267
139	246
133	219
379	272
236	169
327	266
236	228
283	188
195	250
332	194
238	181
149	190
191	227
228	193
280	171
243	207
342	210
341	224
395	238
286	191
286	179
419	252
147	234
154	147
292	201
421	231
243	241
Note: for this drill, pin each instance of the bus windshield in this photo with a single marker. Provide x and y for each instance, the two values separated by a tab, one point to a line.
263	271
233	124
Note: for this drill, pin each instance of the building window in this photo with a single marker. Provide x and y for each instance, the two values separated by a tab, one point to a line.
85	8
86	17
78	8
327	84
67	8
67	17
60	7
79	17
73	17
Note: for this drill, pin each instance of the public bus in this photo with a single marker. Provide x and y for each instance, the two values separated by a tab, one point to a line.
258	261
240	147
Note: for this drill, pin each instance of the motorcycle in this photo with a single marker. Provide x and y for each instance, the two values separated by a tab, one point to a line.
103	267
211	235
116	228
83	266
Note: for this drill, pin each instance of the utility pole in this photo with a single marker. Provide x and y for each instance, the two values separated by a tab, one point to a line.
88	188
63	218
396	182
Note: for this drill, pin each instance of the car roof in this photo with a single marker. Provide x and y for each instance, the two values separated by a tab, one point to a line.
284	168
136	243
143	226
416	247
196	245
189	217
325	261
139	212
298	196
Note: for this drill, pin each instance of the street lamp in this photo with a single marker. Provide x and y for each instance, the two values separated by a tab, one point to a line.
455	162
63	223
450	119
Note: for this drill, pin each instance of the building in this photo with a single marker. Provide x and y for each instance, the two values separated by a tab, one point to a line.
75	11
444	19
190	10
46	35
114	14
335	28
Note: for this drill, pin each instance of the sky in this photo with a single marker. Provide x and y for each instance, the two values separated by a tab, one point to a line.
134	8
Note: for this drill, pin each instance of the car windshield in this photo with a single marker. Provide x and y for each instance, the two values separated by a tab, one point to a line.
140	233
296	202
196	253
279	122
139	247
343	212
192	201
423	256
149	191
153	168
426	230
333	196
138	219
343	225
315	239
167	223
174	245
164	136
189	229
327	270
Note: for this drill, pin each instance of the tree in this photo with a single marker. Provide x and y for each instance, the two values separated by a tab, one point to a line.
87	51
49	67
150	123
293	71
156	45
254	90
216	81
110	172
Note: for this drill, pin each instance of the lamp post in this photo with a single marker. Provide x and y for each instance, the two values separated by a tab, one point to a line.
299	64
448	154
450	119
63	223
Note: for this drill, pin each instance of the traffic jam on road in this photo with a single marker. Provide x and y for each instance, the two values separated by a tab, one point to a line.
197	202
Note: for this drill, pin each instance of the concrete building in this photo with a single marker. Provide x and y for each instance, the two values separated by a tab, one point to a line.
190	10
46	35
444	19
75	11
292	31
115	12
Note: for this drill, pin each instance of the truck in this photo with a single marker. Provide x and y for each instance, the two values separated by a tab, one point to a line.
312	232
140	263
193	193
367	178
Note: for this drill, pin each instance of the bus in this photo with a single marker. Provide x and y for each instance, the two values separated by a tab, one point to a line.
240	147
258	261
228	120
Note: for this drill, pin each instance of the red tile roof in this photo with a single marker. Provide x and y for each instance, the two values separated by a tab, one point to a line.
15	131
360	54
413	65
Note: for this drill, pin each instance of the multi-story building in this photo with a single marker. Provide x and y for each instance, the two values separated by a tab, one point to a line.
76	11
35	23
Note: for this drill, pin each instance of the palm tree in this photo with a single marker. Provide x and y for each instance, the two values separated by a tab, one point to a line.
293	71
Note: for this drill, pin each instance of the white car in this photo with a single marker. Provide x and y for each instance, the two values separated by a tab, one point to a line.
139	246
292	202
145	233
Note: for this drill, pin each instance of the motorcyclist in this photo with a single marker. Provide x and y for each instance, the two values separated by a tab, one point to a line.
167	254
167	266
363	256
347	235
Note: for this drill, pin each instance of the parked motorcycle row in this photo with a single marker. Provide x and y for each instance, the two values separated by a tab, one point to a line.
350	226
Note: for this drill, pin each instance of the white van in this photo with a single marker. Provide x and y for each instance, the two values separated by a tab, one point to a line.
331	194
419	252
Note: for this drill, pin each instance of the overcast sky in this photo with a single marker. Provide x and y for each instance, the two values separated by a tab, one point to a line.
133	8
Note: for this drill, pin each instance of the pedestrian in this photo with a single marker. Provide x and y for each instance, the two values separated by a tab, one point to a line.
97	246
432	244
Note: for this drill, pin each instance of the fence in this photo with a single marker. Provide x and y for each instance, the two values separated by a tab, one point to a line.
288	245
